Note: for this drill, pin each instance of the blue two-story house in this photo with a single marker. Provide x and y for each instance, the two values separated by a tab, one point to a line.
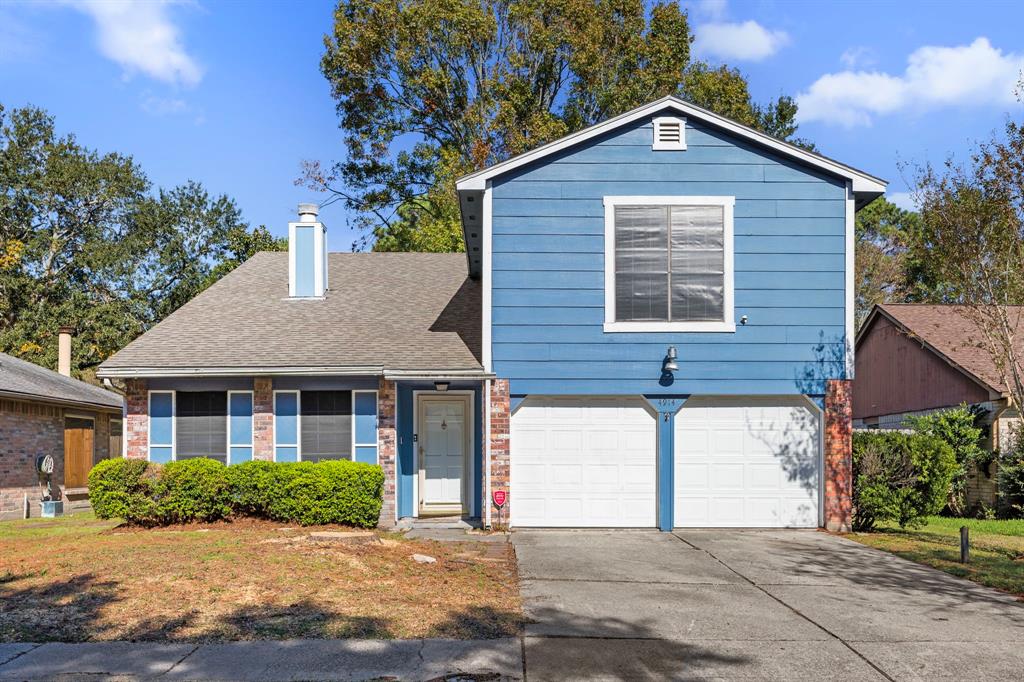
652	327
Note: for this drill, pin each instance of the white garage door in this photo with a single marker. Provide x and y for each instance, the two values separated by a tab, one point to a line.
583	462
747	462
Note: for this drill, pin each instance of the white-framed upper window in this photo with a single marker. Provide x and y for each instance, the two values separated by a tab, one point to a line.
669	133
669	264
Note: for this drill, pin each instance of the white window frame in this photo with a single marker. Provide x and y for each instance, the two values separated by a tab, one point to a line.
174	425
728	323
376	442
252	424
659	145
298	424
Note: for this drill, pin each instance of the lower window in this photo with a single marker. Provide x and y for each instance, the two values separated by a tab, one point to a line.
326	425
201	425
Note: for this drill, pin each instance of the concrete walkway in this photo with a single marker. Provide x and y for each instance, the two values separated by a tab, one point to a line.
289	660
777	605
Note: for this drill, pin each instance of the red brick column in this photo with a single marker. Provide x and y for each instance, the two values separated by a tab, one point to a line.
838	455
263	418
136	424
501	416
387	450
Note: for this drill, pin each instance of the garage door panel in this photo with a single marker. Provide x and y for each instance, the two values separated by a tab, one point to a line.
746	462
584	462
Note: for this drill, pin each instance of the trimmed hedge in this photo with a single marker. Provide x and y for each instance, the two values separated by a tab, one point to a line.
201	489
901	477
123	489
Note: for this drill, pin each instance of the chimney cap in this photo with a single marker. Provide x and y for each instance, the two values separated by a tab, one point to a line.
308	209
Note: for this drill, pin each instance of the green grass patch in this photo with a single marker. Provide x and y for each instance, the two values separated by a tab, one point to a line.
997	549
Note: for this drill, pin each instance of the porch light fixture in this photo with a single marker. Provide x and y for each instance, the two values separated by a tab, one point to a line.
669	364
441	386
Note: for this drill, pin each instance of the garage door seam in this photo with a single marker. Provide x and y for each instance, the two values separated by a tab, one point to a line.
794	610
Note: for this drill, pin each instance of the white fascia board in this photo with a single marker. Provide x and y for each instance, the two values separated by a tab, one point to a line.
862	182
179	372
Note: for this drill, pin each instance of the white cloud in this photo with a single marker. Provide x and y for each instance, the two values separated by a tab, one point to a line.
163	106
746	41
857	56
904	200
711	9
975	74
142	38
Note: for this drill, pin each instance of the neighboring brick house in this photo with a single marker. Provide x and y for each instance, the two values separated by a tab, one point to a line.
914	359
633	338
45	413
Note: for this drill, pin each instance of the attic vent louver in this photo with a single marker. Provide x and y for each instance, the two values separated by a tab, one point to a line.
669	133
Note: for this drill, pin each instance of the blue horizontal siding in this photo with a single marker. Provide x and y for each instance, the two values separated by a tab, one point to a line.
636	352
589	333
688	370
548	269
575	189
643	386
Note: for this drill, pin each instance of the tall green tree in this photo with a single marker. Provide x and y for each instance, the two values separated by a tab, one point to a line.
84	243
430	90
887	266
972	232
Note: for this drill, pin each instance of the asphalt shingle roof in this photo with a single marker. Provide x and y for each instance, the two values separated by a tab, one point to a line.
21	379
946	329
397	311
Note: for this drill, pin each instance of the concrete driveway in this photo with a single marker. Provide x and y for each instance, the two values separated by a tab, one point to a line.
753	604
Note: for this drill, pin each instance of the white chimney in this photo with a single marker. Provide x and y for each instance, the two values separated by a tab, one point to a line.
307	254
64	351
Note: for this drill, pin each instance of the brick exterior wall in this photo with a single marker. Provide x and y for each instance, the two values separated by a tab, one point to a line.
387	450
27	430
501	416
838	455
136	423
263	418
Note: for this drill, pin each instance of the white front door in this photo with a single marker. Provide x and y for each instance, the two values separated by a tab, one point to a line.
584	462
442	433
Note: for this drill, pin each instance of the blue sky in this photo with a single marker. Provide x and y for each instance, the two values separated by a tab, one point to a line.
230	93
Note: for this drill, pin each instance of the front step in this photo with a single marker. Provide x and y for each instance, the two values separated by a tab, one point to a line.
438	523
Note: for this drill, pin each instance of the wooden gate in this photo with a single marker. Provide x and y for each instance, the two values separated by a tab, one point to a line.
79	441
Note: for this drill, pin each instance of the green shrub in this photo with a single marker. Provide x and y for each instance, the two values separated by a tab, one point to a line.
1010	480
342	492
253	485
193	490
123	489
959	428
202	489
899	477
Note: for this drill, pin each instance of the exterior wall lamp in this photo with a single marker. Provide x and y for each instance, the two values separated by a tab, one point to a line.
669	364
441	386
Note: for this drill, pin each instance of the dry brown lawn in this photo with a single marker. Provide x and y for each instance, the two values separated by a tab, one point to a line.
78	579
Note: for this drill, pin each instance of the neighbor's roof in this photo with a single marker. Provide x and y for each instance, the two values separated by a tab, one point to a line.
384	312
947	332
23	380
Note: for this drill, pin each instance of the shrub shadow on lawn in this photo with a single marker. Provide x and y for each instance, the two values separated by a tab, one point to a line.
77	610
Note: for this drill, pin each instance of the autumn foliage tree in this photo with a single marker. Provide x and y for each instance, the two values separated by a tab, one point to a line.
431	90
972	232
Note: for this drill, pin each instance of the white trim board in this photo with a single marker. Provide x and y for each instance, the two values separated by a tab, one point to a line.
728	322
860	181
